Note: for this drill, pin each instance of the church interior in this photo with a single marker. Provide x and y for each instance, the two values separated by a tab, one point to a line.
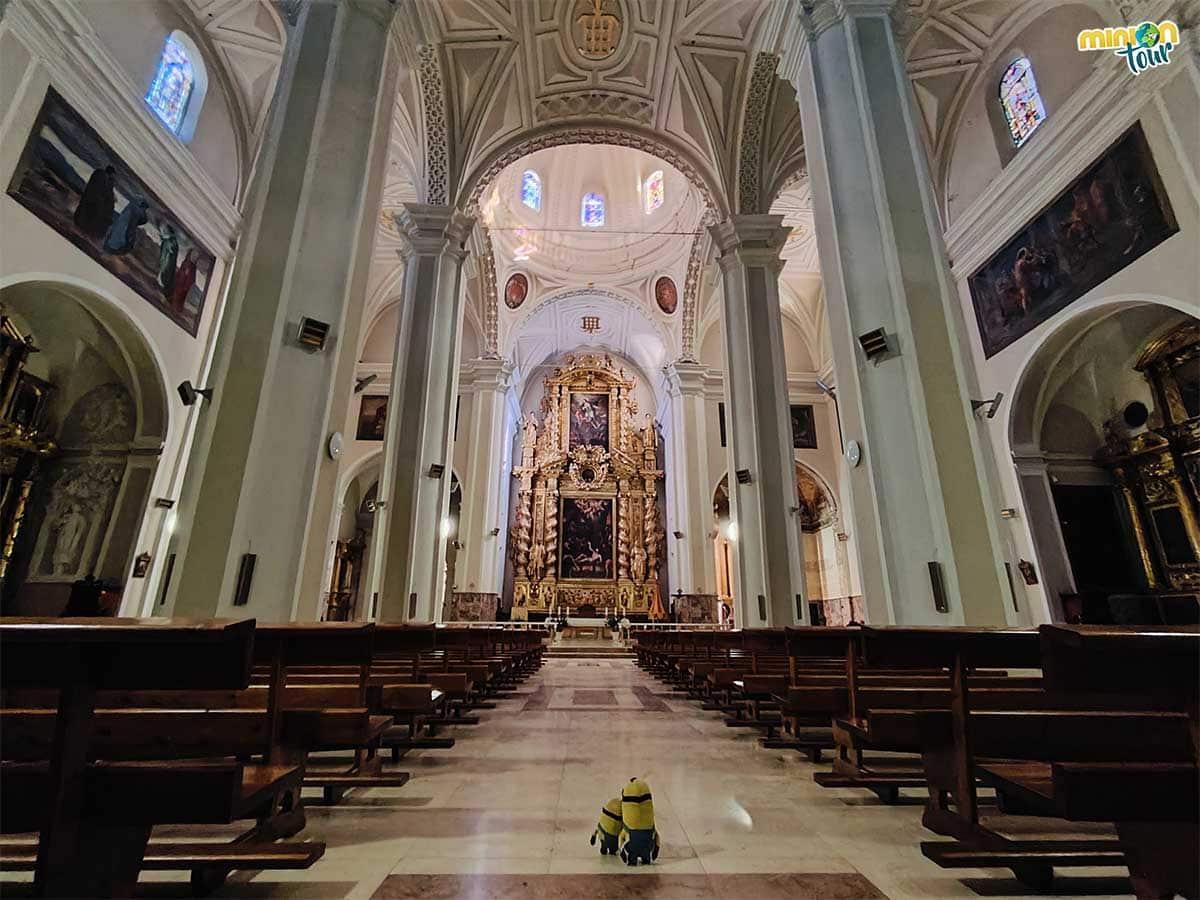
599	448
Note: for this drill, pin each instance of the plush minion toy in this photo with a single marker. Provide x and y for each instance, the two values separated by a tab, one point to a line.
639	837
609	828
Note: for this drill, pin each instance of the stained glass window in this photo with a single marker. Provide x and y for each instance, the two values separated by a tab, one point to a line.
591	212
1021	101
531	190
172	86
653	191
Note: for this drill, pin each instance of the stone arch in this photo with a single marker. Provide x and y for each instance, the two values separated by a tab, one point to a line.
617	134
101	425
1053	445
817	500
1029	389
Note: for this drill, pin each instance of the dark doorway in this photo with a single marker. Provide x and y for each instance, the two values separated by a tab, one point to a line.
1098	545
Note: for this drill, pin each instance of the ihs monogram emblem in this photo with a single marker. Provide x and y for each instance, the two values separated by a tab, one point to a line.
598	32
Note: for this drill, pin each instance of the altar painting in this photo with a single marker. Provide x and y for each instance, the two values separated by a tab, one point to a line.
587	538
589	420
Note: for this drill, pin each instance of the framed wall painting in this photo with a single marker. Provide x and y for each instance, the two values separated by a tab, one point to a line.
74	182
1112	214
372	419
804	426
588	425
586	538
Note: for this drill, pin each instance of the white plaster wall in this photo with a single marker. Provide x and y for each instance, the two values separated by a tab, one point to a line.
134	32
1167	104
32	251
982	147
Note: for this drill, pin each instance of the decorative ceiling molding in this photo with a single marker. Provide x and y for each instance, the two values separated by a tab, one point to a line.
750	153
433	105
691	288
593	133
248	37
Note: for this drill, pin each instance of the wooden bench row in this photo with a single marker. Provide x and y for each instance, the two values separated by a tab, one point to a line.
110	727
1082	725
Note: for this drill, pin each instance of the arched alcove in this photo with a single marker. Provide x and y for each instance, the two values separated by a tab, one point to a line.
1109	504
87	417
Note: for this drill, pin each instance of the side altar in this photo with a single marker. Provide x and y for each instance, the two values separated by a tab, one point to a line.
587	530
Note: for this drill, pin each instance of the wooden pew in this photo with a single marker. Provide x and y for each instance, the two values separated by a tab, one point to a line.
94	816
1115	741
288	650
903	670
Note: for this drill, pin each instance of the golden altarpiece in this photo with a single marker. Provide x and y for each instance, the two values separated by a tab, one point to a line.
587	531
1158	470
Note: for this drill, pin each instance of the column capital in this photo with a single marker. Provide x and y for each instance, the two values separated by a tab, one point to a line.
755	240
428	229
819	15
486	374
686	377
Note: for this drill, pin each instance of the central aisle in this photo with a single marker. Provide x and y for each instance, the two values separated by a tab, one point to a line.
508	811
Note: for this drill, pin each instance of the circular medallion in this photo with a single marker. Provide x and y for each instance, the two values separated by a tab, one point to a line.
516	290
853	453
665	295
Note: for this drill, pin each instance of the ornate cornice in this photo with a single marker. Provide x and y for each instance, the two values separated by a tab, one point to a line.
757	239
428	229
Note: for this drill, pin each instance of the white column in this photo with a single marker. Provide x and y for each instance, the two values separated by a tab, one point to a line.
918	495
259	478
421	402
688	484
483	525
769	558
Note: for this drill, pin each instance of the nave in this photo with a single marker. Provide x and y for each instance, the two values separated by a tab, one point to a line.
507	810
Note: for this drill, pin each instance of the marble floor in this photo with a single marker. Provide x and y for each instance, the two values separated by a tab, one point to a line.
508	811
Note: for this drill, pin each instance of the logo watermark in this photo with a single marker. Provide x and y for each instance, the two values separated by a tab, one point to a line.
1142	46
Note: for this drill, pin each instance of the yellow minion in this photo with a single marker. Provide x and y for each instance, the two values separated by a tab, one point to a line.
608	830
639	837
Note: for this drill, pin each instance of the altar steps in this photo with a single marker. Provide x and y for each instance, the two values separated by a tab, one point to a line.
568	652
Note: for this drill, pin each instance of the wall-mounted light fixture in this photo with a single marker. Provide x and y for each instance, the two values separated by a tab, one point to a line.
1008	512
990	407
678	535
163	502
743	476
495	531
361	383
436	470
188	393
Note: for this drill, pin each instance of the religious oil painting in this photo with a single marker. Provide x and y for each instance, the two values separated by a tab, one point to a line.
804	427
589	420
73	181
372	419
665	295
516	290
1111	215
587	538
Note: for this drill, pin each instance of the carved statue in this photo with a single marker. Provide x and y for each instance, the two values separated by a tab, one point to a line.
639	565
72	526
529	437
536	561
649	435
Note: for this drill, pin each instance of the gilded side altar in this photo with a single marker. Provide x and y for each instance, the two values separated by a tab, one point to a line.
587	529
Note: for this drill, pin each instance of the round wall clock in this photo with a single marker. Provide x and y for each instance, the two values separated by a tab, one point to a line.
516	290
335	444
